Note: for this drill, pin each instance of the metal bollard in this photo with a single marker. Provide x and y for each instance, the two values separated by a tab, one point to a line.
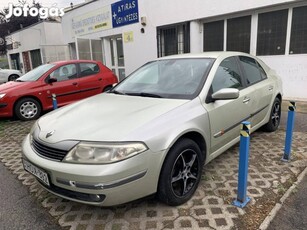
289	132
242	199
54	101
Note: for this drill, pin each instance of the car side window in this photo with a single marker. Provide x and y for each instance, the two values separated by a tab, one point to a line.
65	72
88	69
227	76
251	69
262	72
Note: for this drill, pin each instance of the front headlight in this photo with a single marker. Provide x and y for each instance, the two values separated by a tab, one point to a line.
93	153
2	95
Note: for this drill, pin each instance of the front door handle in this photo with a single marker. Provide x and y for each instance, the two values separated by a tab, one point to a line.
75	83
246	99
99	79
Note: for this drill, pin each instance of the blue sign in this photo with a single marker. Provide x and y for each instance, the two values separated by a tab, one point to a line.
125	12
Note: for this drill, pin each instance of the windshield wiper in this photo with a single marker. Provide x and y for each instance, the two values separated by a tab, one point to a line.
117	92
143	94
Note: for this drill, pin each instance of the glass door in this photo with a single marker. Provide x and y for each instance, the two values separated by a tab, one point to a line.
117	57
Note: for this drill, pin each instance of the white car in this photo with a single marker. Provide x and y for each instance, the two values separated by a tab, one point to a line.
9	75
154	131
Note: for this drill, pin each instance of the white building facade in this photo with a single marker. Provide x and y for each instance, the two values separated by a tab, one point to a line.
126	34
37	44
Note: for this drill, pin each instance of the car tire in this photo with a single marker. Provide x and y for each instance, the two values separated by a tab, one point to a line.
13	77
181	173
27	109
275	114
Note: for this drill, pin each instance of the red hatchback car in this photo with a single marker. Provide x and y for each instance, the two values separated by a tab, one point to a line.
70	81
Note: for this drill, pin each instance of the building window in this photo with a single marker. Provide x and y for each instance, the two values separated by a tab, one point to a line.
298	43
214	36
173	39
238	34
272	31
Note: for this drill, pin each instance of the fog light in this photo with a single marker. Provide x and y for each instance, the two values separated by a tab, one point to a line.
95	197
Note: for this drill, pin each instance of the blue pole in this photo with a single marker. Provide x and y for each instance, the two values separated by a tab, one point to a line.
242	199
54	101
289	132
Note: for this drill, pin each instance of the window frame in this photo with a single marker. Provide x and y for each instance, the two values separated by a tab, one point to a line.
61	66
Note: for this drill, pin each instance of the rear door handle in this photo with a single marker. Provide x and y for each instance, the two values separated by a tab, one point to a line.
75	83
246	99
99	79
271	88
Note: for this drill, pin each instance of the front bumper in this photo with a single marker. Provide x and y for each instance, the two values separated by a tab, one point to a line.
103	185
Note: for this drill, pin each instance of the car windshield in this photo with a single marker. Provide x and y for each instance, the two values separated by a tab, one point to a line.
36	73
173	78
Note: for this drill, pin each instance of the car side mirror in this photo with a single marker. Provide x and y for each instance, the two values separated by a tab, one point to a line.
52	80
226	94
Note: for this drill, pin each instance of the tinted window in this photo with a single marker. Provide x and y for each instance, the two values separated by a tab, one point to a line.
272	29
65	72
298	43
238	34
251	69
214	36
88	69
227	76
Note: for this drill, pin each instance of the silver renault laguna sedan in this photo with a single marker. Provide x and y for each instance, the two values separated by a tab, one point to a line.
154	131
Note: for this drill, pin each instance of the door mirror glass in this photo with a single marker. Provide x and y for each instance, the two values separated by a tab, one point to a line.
226	94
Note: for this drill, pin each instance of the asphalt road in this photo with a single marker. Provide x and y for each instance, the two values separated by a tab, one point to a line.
18	209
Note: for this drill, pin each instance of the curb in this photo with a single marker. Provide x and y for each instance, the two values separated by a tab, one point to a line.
265	224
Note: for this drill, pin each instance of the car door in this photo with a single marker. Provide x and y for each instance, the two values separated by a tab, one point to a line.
65	87
257	80
226	115
91	79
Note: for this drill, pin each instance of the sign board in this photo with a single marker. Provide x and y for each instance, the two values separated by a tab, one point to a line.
97	20
128	36
124	12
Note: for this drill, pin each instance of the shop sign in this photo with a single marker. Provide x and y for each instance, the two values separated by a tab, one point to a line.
125	12
92	22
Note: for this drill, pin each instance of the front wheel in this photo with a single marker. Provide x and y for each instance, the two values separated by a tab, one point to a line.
274	121
27	109
181	173
13	77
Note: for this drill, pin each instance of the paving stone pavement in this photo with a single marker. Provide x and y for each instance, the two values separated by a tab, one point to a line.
210	207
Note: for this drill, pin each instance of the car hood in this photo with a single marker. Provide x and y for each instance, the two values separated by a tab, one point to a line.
105	117
13	85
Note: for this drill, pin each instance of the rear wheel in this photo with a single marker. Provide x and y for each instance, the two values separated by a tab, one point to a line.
27	109
181	173
13	77
274	121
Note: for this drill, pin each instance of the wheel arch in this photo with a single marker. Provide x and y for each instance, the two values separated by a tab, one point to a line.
199	140
27	96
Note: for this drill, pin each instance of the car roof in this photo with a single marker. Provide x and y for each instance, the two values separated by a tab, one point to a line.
215	54
73	61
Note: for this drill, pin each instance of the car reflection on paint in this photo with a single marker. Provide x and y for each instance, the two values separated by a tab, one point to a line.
154	131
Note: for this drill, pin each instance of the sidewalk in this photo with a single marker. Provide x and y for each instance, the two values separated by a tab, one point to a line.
211	206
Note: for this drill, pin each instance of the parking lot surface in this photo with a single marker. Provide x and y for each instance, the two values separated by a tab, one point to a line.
211	206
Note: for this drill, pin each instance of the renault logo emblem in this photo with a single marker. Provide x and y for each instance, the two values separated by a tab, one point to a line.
50	134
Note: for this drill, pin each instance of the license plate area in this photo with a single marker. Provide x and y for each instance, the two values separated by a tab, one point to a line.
35	171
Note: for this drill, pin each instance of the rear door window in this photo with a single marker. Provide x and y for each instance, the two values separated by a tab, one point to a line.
252	70
87	69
